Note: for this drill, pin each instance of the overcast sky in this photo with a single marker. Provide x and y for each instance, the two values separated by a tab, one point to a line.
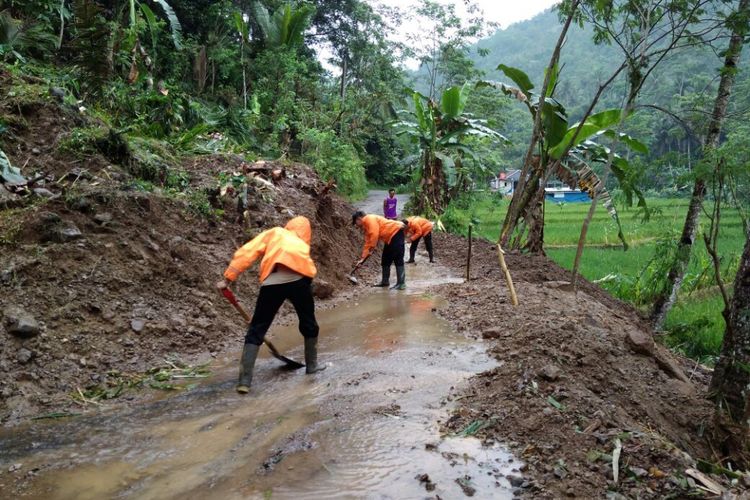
505	12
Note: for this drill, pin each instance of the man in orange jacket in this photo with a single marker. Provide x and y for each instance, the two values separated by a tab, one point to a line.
390	232
416	229
286	272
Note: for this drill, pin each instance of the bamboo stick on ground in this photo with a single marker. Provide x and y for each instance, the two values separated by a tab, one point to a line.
506	272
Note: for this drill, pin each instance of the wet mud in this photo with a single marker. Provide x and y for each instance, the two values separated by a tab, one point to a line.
368	426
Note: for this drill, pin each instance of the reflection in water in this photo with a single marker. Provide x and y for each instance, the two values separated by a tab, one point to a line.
366	427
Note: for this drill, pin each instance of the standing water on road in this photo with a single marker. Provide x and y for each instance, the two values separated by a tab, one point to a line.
367	427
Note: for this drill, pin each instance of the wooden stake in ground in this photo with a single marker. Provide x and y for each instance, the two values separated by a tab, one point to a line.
508	279
468	257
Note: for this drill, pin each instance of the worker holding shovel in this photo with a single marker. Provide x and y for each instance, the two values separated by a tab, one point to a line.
416	229
390	232
286	272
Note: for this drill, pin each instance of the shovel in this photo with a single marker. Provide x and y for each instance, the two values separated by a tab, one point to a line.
275	352
351	276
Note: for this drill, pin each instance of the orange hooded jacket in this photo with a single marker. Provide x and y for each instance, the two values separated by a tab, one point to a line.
418	227
288	246
378	228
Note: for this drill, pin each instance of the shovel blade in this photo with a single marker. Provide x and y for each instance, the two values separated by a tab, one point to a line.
276	354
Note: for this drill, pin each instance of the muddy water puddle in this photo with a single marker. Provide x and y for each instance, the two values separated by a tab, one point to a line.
367	427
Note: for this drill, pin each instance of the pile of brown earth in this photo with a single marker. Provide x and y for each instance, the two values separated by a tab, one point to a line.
577	373
100	280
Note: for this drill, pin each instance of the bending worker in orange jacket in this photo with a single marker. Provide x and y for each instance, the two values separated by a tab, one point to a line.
390	232
286	272
416	229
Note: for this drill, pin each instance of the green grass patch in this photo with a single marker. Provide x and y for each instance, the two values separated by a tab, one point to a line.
695	325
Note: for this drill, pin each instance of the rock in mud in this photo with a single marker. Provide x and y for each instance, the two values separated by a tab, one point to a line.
425	479
465	484
180	249
23	356
322	289
68	232
103	218
640	342
515	481
492	333
8	199
44	193
137	325
550	373
20	323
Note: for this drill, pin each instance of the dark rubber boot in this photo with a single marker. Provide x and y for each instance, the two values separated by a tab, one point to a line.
247	363
386	277
401	274
311	356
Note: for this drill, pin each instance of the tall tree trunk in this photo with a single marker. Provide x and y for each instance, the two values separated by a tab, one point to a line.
668	297
730	384
516	206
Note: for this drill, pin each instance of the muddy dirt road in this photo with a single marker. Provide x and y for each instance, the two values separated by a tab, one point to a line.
366	427
373	204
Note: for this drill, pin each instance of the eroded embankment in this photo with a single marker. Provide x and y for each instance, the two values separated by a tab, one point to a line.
577	373
103	274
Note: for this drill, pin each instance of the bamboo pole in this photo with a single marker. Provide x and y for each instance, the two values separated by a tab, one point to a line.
468	257
506	272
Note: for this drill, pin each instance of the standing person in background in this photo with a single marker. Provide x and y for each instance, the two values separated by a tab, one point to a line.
416	229
390	232
390	210
286	273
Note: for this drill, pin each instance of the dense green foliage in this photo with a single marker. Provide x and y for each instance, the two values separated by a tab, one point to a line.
206	77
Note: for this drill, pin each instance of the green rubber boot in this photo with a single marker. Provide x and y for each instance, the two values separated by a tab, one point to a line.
386	277
247	363
311	356
401	278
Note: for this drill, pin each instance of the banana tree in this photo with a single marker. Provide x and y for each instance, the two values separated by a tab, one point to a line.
137	51
439	130
566	151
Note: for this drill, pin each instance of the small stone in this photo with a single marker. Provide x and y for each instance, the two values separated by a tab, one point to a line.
14	467
103	218
20	323
515	481
57	93
137	325
180	249
36	151
550	372
70	233
492	333
560	473
44	193
322	289
638	472
640	342
23	356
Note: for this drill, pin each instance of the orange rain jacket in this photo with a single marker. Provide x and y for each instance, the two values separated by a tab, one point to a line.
418	227
288	246
378	228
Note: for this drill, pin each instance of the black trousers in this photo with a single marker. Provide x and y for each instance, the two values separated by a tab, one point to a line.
269	301
393	252
415	243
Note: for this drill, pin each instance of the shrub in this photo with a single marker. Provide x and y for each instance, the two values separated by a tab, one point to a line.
335	159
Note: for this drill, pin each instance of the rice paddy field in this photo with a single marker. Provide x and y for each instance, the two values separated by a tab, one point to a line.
695	325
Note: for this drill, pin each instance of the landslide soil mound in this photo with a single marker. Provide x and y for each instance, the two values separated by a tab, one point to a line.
109	279
577	373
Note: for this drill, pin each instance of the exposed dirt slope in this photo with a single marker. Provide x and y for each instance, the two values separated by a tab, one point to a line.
109	278
577	373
